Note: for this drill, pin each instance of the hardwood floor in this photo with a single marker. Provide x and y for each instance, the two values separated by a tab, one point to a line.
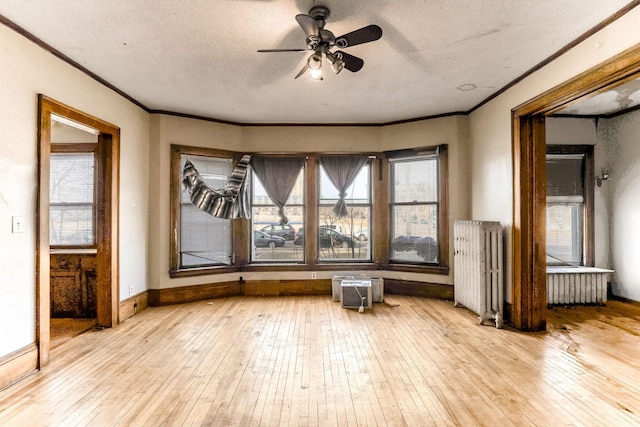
64	329
306	361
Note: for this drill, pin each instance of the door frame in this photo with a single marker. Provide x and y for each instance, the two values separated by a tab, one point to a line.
107	226
528	312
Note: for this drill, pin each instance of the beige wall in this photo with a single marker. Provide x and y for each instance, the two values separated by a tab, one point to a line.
490	125
25	71
176	130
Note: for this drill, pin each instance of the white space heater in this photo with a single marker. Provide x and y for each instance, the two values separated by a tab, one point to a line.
478	268
377	287
356	294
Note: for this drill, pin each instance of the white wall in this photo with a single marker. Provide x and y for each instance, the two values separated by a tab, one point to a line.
25	71
621	137
169	130
490	125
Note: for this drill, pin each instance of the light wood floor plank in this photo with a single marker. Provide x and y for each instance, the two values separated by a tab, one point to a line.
272	361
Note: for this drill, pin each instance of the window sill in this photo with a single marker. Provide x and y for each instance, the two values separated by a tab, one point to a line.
414	268
202	271
311	267
342	266
81	251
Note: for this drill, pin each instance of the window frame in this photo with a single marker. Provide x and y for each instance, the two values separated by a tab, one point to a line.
370	205
378	225
302	205
81	148
175	190
588	209
442	266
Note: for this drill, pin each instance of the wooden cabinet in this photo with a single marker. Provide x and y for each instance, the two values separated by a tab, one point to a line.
73	285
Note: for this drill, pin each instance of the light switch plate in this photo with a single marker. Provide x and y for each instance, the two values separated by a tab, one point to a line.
17	224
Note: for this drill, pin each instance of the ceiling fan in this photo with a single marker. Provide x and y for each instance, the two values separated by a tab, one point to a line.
321	41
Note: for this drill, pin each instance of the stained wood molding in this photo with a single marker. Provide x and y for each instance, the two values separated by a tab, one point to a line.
158	297
18	365
418	289
133	305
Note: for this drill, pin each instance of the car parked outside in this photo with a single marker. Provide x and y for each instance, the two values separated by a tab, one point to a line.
263	240
425	247
328	237
361	234
286	231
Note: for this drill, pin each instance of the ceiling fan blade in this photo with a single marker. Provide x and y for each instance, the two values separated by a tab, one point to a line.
351	63
281	50
304	70
363	35
308	24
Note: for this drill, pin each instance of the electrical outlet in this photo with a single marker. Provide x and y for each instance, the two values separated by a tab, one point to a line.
17	224
313	275
130	290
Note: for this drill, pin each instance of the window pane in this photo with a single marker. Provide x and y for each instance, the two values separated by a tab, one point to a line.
358	192
415	180
71	178
346	238
272	241
564	175
71	225
71	199
564	233
205	239
415	233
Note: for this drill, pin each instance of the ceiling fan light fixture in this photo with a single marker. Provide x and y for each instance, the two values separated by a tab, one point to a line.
315	66
315	74
337	64
315	62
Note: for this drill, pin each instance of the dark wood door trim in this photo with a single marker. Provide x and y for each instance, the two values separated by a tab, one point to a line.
107	230
529	181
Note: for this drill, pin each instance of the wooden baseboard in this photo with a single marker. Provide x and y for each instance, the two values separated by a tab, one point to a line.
252	288
194	293
133	305
18	365
418	289
184	294
288	287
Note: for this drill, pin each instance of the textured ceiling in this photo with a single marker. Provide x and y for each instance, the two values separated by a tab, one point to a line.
620	98
199	57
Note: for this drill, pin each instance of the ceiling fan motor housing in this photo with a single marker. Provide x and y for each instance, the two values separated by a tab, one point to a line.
320	14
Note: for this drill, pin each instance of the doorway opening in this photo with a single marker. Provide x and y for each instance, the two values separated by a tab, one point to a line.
77	227
529	181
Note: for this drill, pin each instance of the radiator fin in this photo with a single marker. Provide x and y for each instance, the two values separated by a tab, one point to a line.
577	285
478	268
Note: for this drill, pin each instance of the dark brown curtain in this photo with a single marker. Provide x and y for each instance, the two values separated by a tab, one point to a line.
278	175
342	171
